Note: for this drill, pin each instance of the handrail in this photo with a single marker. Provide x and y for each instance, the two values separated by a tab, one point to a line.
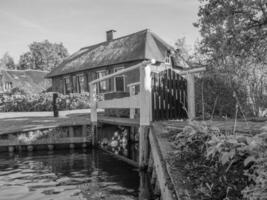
180	72
133	84
119	72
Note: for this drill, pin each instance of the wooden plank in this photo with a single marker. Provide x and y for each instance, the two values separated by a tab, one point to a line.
175	87
172	95
118	121
169	93
191	96
123	158
126	102
165	114
160	168
120	72
145	96
93	103
153	96
143	146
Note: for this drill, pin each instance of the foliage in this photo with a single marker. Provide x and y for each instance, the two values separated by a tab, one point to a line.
183	49
218	97
223	165
26	61
17	91
234	44
7	62
42	102
43	56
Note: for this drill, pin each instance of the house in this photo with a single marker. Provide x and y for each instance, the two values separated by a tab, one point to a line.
89	63
30	81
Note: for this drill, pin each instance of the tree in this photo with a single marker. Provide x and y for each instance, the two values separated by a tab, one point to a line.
182	47
47	55
26	61
43	56
7	62
234	42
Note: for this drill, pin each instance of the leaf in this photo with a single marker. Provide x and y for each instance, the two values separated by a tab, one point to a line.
249	160
227	156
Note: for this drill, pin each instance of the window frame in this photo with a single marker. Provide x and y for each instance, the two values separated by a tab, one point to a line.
107	85
116	69
65	84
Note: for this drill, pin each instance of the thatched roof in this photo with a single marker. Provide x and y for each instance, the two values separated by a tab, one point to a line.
31	81
137	46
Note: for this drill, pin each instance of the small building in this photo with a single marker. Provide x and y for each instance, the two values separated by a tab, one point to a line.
89	63
30	81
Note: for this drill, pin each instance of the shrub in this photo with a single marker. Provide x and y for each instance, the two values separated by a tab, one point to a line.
42	102
223	165
218	97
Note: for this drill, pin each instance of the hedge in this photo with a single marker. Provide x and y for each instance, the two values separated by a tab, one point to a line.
42	102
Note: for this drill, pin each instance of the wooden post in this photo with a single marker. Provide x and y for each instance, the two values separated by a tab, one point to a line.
71	135
84	135
145	115
55	109
93	113
191	96
145	95
132	110
144	190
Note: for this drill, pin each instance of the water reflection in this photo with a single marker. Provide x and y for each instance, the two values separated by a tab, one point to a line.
67	175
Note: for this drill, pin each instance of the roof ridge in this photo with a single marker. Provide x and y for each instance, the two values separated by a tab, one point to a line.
144	30
23	70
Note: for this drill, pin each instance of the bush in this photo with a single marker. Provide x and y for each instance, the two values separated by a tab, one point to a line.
42	102
223	165
219	99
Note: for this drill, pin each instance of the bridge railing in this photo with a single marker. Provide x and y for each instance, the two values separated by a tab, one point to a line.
161	89
141	100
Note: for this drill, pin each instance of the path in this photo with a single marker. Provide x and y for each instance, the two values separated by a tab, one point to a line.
18	121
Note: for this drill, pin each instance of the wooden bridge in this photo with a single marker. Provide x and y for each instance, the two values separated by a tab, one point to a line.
164	93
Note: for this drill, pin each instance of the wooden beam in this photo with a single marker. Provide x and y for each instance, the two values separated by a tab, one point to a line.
189	71
93	103
191	96
120	72
143	147
126	102
161	171
145	95
133	84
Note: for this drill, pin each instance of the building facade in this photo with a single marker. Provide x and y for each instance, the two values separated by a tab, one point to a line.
74	74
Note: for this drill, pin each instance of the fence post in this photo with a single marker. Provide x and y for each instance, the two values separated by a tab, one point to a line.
55	109
191	95
132	110
93	105
145	114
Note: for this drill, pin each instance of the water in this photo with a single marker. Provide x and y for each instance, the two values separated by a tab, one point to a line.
67	176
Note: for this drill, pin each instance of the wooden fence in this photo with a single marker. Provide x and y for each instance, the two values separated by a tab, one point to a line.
169	96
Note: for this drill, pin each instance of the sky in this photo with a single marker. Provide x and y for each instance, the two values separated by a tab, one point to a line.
79	23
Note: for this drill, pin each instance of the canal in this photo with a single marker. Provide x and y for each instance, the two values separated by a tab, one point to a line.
80	174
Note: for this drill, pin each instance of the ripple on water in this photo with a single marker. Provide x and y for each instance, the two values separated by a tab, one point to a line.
80	175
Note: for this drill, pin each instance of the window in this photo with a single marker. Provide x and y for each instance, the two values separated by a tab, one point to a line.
103	85
80	83
67	85
74	83
119	81
8	86
167	60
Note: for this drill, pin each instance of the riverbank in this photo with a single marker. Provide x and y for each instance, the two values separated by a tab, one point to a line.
25	121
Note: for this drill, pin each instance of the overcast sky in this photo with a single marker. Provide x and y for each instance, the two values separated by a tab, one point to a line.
79	23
